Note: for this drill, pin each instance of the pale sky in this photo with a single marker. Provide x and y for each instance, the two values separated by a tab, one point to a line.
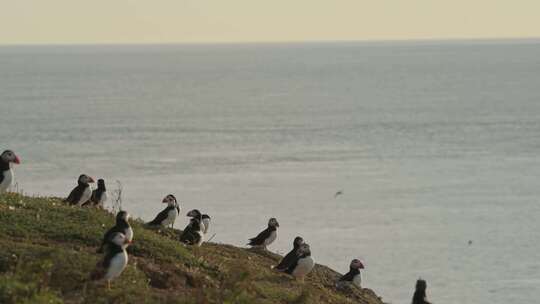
186	21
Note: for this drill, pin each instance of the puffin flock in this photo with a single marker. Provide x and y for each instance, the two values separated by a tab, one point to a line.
297	263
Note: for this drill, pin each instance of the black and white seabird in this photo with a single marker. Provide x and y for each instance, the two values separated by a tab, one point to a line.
291	257
204	219
169	214
206	222
115	260
122	226
303	264
267	236
419	296
6	173
82	192
353	275
99	195
193	233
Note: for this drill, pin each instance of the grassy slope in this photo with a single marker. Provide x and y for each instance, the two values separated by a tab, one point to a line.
47	251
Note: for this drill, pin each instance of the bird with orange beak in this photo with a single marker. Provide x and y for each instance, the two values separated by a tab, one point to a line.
115	260
7	158
82	192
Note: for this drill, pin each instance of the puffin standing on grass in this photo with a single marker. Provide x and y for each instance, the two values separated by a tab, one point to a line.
206	222
122	226
204	219
291	257
168	215
267	236
99	195
193	233
115	260
353	275
6	173
303	264
82	192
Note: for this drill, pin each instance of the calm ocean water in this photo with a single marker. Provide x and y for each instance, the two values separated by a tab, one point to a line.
433	145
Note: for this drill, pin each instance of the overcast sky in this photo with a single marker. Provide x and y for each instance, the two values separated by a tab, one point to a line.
178	21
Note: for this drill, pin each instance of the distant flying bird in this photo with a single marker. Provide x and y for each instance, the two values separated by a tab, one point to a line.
470	242
340	192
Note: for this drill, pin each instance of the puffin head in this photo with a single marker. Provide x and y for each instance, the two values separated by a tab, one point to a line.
169	200
303	250
195	213
85	179
122	216
421	285
101	184
273	223
206	216
298	241
119	239
356	264
9	156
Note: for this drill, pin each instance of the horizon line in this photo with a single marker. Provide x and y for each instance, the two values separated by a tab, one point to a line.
285	42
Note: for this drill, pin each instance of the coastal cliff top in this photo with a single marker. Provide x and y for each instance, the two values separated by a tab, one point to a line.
48	252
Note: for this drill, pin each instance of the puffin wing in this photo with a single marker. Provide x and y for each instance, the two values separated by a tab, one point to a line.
188	235
72	196
293	265
107	236
1	177
287	261
349	277
101	267
94	198
259	239
160	218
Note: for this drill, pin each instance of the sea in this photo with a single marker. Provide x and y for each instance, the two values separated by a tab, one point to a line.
433	145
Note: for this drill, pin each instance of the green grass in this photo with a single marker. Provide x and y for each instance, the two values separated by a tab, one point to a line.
48	252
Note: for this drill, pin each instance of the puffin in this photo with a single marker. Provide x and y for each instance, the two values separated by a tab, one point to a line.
115	260
204	219
82	192
99	195
168	215
303	263
206	222
267	236
6	173
291	257
193	233
354	273
122	226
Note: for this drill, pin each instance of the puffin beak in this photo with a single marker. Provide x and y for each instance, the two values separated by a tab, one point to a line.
91	179
128	242
164	200
361	266
17	160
